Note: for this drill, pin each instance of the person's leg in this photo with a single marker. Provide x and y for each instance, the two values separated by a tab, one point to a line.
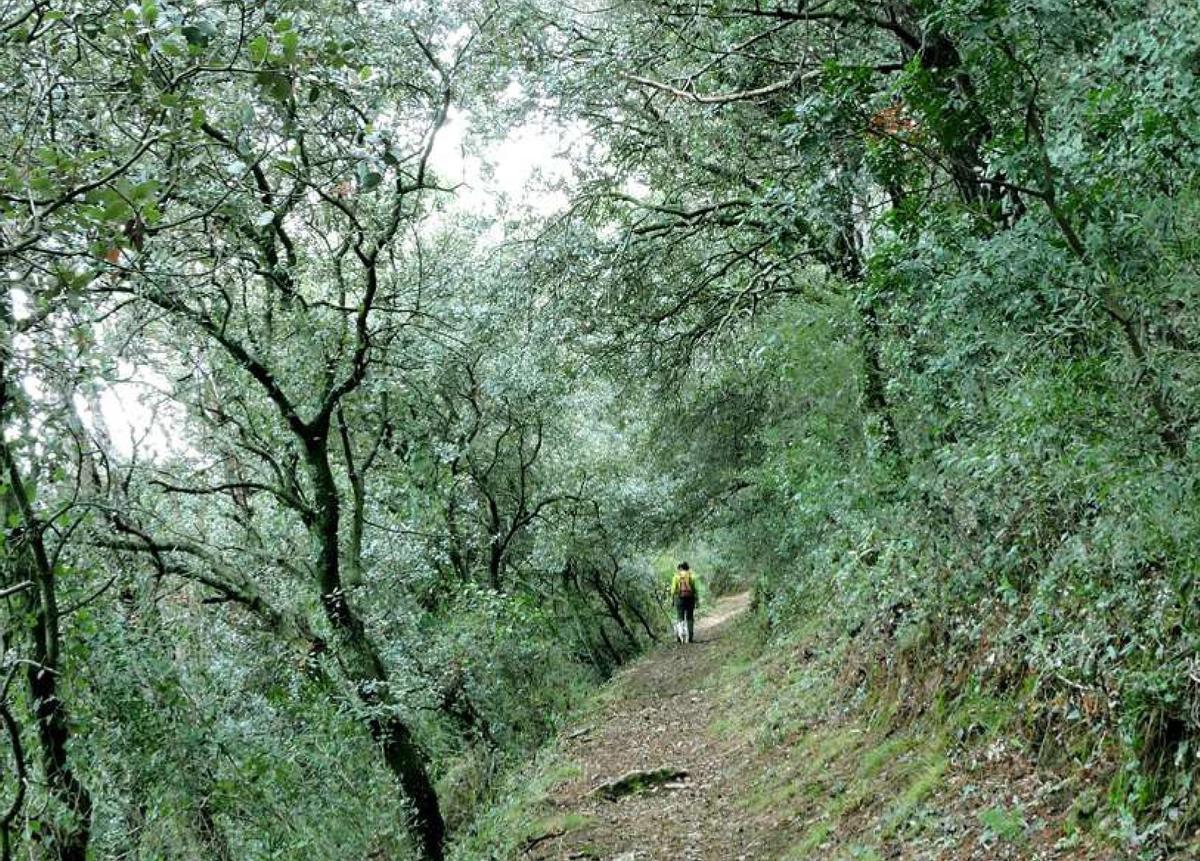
680	620
691	621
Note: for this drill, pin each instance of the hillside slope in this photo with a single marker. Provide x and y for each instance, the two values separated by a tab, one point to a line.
736	751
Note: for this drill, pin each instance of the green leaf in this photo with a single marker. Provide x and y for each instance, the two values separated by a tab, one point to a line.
170	47
367	178
290	42
116	209
200	34
258	48
41	182
276	85
49	156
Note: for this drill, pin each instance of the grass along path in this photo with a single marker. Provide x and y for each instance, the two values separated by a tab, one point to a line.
791	755
657	713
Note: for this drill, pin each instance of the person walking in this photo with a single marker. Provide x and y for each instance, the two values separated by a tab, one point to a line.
683	594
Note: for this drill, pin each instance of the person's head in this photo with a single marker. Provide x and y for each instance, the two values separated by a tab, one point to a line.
683	566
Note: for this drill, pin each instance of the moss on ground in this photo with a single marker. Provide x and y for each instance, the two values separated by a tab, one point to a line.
521	816
829	769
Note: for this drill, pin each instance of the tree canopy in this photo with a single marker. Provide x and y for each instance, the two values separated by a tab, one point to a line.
333	478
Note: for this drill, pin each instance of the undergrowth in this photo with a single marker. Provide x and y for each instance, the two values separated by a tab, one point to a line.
853	755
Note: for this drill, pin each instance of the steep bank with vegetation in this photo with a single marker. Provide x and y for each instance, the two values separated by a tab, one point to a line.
750	746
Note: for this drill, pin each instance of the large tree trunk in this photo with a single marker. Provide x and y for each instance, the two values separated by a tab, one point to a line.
70	839
361	660
406	761
67	839
25	556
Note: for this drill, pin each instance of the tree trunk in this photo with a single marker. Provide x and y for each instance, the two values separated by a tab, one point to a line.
361	660
25	553
69	839
406	761
874	396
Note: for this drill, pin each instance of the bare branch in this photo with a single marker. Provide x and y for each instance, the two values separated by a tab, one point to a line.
726	98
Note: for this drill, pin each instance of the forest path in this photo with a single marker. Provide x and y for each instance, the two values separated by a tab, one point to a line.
781	765
661	718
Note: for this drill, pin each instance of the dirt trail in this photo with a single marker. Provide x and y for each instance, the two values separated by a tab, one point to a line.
781	767
662	719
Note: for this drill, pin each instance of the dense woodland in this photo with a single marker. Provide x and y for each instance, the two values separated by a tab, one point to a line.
888	308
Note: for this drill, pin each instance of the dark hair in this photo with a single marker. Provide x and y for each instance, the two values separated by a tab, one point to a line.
683	566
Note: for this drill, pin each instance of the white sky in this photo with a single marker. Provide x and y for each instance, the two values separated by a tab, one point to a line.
523	172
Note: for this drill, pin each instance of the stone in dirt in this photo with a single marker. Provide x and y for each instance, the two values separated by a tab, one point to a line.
636	782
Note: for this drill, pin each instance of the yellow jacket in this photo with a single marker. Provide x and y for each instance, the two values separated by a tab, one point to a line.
677	583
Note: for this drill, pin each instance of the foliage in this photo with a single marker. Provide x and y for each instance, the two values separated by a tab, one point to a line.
892	307
927	275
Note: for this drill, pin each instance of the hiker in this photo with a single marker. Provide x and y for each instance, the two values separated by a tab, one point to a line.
683	593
